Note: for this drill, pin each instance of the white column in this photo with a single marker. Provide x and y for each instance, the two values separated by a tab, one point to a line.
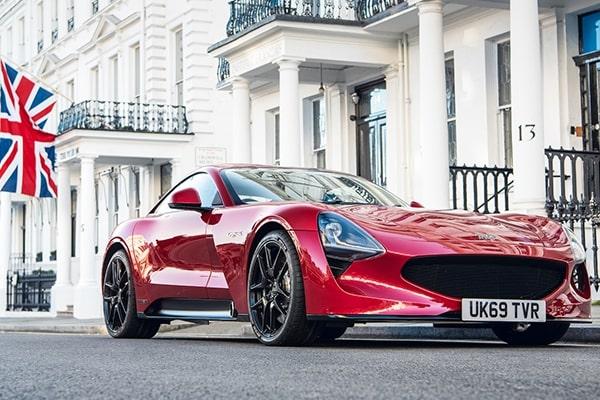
527	106
433	131
62	291
145	190
393	150
176	172
290	139
336	116
88	297
46	230
241	146
5	234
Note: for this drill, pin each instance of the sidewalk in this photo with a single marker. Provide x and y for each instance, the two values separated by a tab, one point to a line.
577	333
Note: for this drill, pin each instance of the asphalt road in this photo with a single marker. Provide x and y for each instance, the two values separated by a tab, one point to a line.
72	366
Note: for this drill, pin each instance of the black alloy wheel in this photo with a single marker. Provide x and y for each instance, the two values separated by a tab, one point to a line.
276	293
119	308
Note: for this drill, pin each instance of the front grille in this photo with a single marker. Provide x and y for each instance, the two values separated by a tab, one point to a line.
486	277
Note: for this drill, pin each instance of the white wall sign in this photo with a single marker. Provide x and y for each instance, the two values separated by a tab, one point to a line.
210	155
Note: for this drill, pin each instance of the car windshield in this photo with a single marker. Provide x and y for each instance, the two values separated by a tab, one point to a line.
258	185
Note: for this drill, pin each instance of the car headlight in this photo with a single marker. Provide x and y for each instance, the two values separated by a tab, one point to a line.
576	246
343	240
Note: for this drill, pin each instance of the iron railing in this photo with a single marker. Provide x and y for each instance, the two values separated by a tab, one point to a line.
54	35
246	13
95	7
123	116
481	189
40	45
27	287
70	24
572	189
223	69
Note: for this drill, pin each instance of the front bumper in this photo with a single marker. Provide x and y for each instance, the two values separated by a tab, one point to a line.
374	291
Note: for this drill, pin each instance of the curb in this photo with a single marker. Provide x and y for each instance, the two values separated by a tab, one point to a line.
576	334
99	329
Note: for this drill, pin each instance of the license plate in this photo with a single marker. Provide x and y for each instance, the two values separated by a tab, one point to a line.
492	310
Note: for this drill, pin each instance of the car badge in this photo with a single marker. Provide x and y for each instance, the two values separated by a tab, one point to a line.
486	236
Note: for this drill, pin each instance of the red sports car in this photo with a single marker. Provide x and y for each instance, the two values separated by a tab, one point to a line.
304	254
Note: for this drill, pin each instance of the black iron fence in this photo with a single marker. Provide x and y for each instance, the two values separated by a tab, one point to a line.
246	13
124	116
573	186
223	69
27	287
481	189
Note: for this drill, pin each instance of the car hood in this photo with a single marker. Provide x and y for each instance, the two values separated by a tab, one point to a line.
452	226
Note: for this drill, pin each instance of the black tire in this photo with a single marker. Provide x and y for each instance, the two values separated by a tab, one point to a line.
533	335
276	302
118	299
330	333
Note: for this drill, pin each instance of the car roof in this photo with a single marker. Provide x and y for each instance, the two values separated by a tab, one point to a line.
225	166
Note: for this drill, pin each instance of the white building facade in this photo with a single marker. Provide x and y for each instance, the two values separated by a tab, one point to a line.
395	91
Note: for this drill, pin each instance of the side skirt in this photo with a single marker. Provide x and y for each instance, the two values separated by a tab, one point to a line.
191	310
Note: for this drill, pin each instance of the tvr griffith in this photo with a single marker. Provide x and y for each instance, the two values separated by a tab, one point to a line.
303	254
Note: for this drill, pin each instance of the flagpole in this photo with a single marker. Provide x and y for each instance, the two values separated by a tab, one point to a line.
35	78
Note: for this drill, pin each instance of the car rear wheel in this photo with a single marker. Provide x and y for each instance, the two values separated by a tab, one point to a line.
118	295
531	334
276	301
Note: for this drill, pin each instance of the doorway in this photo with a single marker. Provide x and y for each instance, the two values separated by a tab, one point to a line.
371	131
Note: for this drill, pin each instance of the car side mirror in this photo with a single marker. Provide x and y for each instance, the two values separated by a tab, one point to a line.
416	204
187	199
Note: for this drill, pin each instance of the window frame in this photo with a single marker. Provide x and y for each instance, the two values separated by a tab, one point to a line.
451	105
505	144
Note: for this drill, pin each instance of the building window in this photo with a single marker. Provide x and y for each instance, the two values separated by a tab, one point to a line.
451	109
71	89
73	222
95	83
166	175
136	192
115	189
9	44
21	38
54	25
70	15
504	101
136	74
589	32
40	24
114	72
319	133
179	67
276	142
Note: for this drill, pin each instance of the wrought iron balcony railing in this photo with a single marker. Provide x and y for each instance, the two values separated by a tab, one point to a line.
245	13
122	116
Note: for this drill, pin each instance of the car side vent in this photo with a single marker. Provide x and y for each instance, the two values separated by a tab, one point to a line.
338	267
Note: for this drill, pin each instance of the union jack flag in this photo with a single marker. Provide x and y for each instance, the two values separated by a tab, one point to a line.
27	155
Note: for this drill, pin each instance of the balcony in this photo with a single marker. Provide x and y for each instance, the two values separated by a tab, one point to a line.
123	116
245	14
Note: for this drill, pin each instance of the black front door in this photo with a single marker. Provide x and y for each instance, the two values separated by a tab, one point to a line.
589	67
371	131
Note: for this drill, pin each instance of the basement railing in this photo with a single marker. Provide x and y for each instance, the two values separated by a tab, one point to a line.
124	116
481	189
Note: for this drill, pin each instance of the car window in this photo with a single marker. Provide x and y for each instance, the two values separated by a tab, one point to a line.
205	186
259	185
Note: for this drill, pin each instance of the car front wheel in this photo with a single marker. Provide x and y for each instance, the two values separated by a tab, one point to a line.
276	302
531	334
119	309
